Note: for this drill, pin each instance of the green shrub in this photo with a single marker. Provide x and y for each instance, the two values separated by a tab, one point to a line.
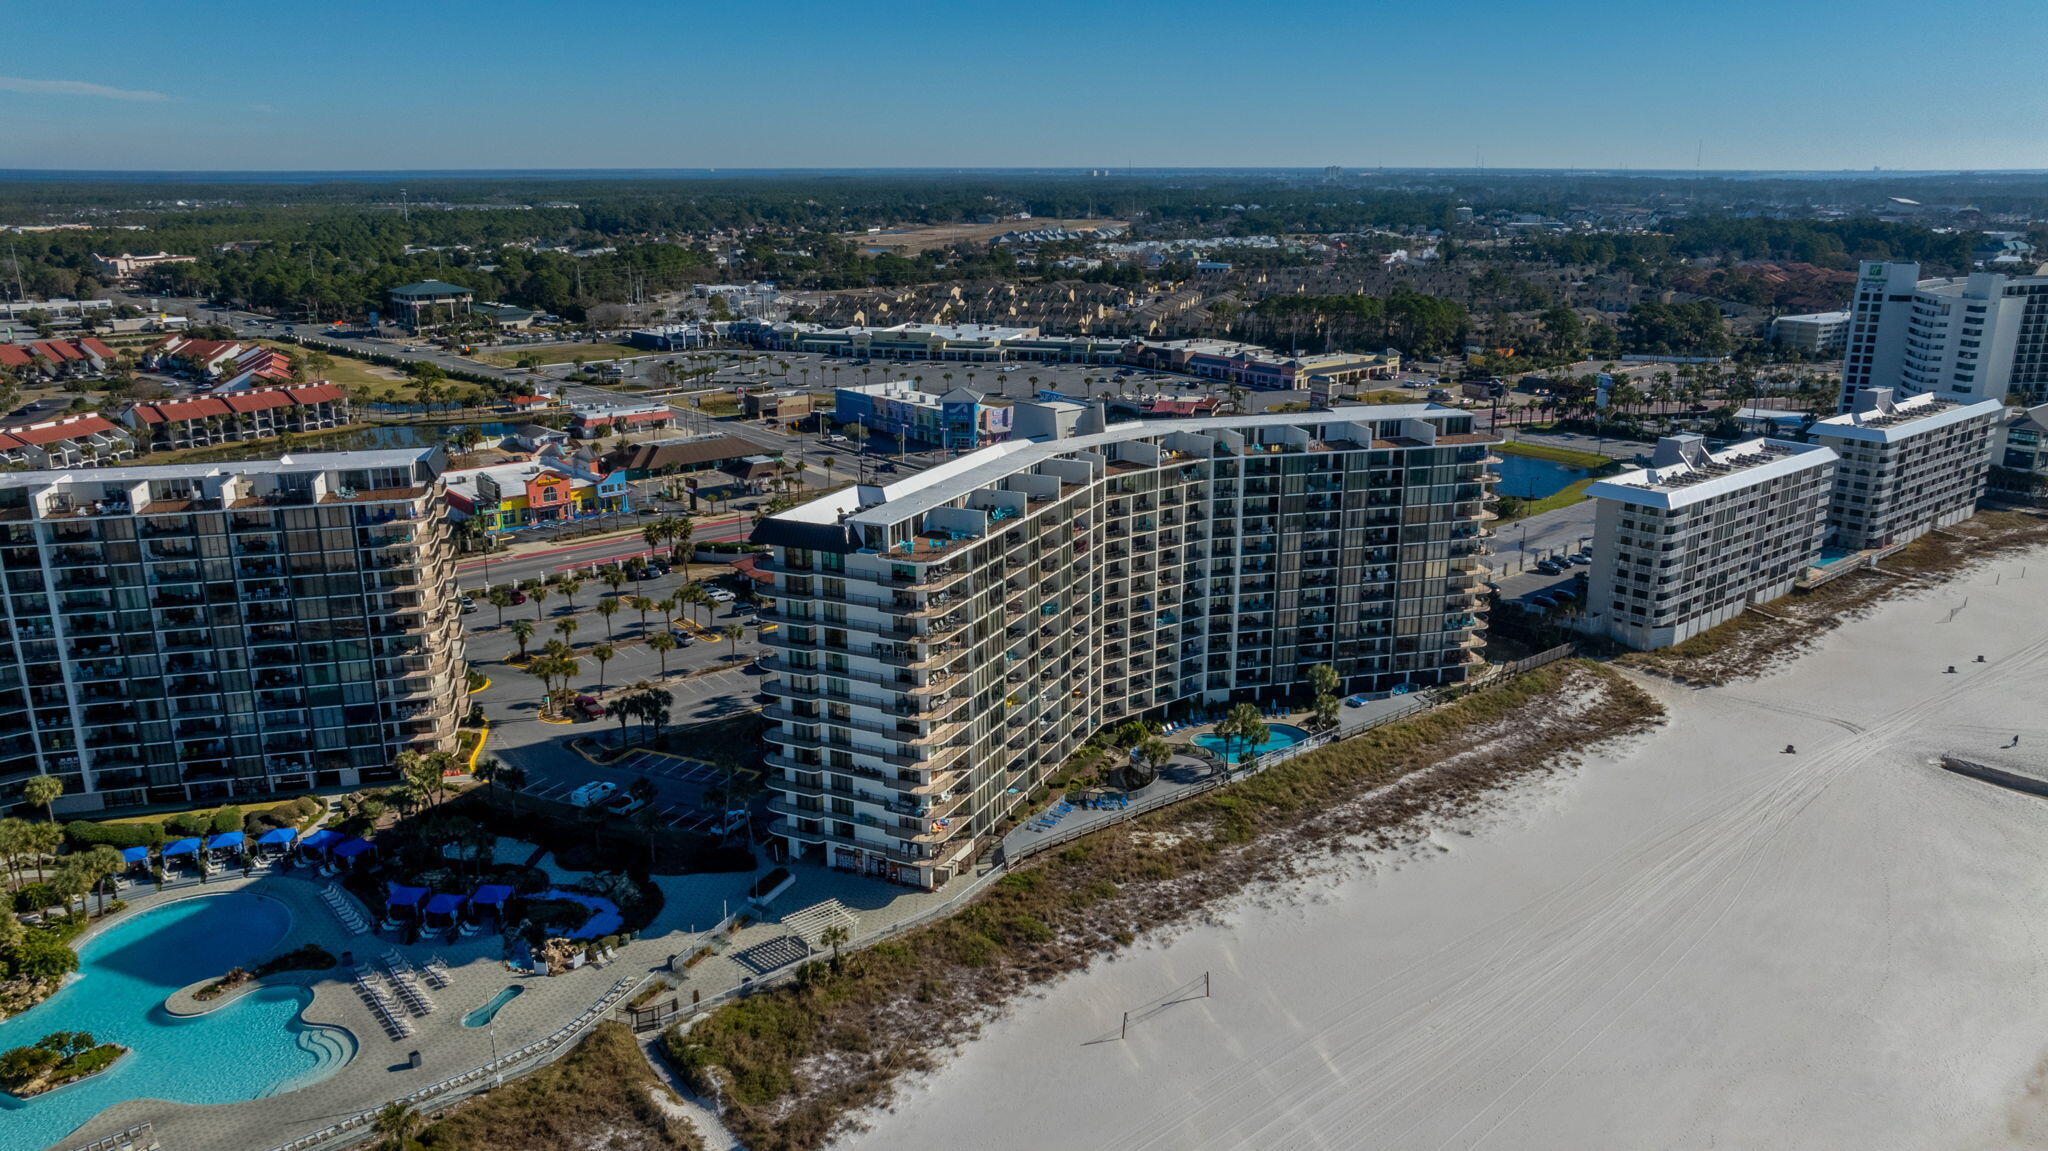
189	823
84	833
227	819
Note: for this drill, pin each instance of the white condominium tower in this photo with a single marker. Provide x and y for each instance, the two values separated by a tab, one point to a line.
1979	337
1696	537
945	642
1907	466
201	632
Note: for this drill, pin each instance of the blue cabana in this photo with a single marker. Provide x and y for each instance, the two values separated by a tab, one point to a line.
441	911
352	847
181	847
490	897
398	895
321	840
226	841
281	837
135	855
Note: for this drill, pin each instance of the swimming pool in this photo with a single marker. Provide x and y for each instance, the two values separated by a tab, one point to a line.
253	1047
1278	735
482	1016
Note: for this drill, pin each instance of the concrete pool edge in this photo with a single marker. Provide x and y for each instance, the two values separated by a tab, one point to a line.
302	908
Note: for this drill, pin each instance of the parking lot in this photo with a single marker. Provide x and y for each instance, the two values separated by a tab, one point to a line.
681	783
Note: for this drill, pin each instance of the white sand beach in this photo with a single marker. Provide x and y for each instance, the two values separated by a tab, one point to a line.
1692	941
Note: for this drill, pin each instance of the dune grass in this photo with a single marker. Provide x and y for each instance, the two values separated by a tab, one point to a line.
599	1095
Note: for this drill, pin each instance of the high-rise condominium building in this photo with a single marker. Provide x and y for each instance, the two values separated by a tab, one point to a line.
1696	537
1979	337
1906	466
197	632
947	641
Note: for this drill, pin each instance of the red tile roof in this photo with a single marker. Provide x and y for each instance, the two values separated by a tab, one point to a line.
316	394
257	401
58	350
173	411
56	431
15	356
96	348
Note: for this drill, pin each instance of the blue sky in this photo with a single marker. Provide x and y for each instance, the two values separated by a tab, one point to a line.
514	84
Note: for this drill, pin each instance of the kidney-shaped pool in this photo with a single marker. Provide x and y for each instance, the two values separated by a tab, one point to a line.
253	1047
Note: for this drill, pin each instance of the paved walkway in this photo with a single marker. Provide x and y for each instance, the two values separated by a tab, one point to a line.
380	1070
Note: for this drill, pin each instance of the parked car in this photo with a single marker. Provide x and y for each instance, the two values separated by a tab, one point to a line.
623	804
1580	558
468	604
719	595
589	707
518	596
1548	567
596	791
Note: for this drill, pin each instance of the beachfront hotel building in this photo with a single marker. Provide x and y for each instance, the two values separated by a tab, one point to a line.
946	641
201	632
1978	337
1906	466
1698	536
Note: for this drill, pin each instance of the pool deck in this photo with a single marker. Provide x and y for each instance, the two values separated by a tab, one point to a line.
1186	773
380	1070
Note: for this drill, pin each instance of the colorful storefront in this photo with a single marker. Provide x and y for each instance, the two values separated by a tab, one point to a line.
513	496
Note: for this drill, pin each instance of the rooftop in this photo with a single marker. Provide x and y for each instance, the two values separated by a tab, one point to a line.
306	463
936	486
1684	472
1879	418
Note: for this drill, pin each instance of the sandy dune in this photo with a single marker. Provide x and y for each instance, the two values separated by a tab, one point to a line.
1696	941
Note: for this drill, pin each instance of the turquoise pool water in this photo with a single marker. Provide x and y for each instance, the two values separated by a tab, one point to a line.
253	1047
482	1016
1278	735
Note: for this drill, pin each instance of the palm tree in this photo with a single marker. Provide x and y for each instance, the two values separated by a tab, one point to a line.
614	577
539	594
603	654
486	771
662	643
570	585
512	779
500	598
732	633
1148	757
643	605
609	607
566	627
692	595
42	791
398	1123
833	937
522	630
99	863
1323	678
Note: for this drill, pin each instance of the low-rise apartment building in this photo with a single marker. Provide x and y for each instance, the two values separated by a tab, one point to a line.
1907	465
199	632
1698	536
82	441
1253	366
901	410
230	417
945	642
610	419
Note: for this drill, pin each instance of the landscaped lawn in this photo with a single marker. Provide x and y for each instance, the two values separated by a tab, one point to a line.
1569	457
558	354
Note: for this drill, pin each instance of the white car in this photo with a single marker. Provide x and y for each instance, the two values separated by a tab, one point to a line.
720	595
596	791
